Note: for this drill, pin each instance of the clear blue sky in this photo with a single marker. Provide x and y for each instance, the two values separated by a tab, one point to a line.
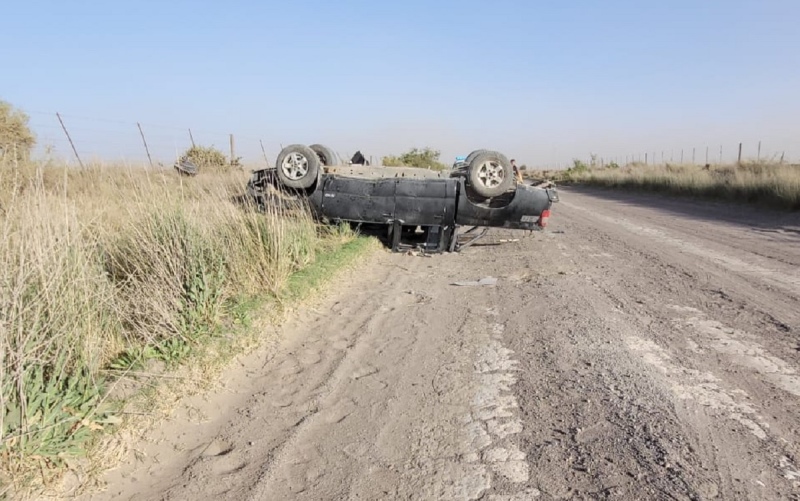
542	81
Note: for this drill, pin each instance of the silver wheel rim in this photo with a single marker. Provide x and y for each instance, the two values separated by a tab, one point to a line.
295	166
491	174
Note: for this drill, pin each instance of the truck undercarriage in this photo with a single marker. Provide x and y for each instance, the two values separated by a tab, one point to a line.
451	208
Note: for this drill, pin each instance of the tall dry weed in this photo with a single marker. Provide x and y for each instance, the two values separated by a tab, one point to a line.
103	267
770	184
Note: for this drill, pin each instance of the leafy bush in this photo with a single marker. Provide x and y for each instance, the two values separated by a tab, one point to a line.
16	138
578	167
578	171
424	158
205	157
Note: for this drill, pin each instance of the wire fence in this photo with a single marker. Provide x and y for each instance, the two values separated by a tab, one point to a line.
704	155
82	140
79	139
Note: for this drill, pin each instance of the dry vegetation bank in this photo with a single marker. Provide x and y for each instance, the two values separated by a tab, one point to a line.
764	183
106	270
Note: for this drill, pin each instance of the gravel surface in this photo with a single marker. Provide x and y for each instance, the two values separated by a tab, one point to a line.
640	348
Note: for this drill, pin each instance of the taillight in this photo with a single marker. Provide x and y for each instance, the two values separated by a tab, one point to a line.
543	218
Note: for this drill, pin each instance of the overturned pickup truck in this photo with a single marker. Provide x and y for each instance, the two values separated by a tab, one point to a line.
453	208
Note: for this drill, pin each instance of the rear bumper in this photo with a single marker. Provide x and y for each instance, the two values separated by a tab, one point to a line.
522	212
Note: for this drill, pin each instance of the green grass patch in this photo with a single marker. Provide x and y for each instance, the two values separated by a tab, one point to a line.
303	282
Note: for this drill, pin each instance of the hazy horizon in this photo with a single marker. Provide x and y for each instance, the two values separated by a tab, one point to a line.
542	83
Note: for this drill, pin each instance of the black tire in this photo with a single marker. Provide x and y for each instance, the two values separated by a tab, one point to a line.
327	156
472	155
297	166
475	153
490	174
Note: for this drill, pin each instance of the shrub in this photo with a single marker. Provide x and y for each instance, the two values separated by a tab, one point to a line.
578	167
16	138
424	158
208	157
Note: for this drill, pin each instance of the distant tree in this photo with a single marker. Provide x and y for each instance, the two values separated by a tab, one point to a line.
415	157
578	166
16	138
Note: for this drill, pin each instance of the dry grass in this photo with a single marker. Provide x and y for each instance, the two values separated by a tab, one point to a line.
104	269
763	183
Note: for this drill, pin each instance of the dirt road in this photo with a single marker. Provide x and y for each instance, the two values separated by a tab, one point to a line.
641	348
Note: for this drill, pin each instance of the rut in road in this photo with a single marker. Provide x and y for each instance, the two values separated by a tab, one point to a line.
625	353
677	367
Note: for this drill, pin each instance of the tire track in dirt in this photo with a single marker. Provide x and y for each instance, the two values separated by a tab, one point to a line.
277	387
786	277
378	399
711	337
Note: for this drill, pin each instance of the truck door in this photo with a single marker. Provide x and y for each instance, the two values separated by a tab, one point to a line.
358	200
426	202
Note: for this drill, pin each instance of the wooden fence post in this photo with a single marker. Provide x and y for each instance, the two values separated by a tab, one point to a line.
146	149
264	152
70	141
739	159
233	150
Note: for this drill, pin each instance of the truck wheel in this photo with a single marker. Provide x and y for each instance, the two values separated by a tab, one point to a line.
475	153
490	174
297	166
326	155
472	155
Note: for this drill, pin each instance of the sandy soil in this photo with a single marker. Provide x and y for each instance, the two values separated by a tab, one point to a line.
641	348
